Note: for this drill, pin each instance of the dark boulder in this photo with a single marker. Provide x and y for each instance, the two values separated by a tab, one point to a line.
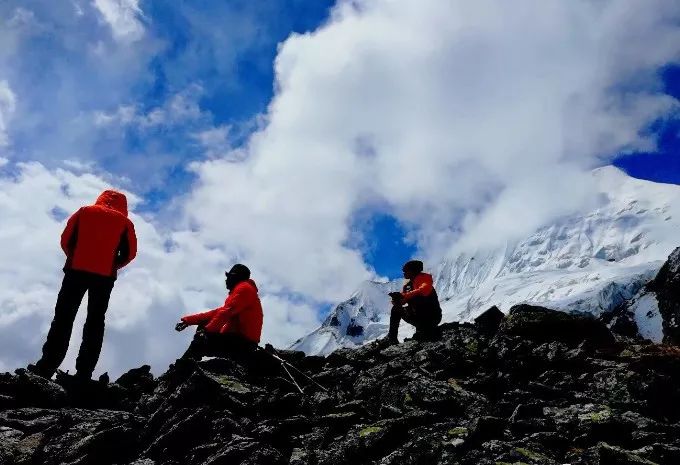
544	325
137	379
621	321
36	391
489	321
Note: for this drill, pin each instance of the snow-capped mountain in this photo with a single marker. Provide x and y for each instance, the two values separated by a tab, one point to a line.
589	263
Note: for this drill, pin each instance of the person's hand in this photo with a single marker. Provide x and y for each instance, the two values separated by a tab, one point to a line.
181	326
396	297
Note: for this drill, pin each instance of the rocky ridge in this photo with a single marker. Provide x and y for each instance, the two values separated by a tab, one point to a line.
545	388
536	387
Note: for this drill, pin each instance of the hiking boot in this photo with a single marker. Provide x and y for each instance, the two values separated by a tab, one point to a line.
387	341
36	370
81	377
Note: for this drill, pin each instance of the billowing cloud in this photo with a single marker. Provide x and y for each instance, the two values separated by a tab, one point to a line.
7	107
179	109
133	107
471	122
123	16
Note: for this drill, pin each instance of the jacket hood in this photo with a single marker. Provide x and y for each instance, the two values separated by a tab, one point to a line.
247	282
114	200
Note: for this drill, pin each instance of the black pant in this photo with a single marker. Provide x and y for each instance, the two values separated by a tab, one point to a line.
218	345
424	318
73	289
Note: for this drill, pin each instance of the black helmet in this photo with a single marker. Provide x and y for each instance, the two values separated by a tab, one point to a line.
238	272
415	266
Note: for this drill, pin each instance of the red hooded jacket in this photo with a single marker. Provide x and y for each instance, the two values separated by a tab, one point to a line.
421	285
100	238
241	314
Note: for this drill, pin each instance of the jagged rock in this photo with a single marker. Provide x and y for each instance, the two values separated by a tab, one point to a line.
621	321
112	445
666	285
542	324
137	379
69	436
486	428
605	454
7	402
247	452
31	389
522	396
92	394
181	432
660	453
489	321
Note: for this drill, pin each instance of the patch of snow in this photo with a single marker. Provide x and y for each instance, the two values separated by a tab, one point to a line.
648	318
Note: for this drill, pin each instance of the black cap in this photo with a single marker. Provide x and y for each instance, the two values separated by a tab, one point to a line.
413	265
238	271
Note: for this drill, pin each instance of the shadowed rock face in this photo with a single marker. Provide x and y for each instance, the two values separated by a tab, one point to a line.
489	321
666	285
541	324
524	395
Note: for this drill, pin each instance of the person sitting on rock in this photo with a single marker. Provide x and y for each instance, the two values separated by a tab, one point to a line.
417	305
234	327
98	241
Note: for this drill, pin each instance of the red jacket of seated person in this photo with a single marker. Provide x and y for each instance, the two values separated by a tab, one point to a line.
241	314
420	286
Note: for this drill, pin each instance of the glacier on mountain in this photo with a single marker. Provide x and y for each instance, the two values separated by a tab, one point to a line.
591	262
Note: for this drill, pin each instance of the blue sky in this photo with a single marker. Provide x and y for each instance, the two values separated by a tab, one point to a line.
662	165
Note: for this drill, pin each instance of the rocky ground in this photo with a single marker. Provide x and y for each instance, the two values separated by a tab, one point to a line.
544	388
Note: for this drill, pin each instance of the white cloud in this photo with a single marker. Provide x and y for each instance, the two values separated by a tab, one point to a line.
471	121
181	108
77	8
7	108
215	141
123	115
123	16
285	320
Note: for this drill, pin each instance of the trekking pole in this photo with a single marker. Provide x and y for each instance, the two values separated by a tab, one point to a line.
286	364
283	365
292	379
306	376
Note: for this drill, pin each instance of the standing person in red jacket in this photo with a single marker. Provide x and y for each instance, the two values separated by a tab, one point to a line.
98	240
417	304
234	327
